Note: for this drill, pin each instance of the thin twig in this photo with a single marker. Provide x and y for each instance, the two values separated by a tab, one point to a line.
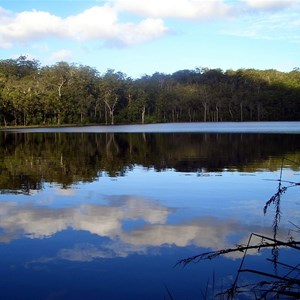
214	254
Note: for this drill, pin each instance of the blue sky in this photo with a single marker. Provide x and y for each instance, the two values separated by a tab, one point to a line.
145	36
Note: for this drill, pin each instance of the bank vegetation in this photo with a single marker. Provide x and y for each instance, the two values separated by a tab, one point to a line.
64	93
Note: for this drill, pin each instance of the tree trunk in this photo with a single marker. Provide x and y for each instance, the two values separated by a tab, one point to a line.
230	112
143	114
58	119
105	116
258	112
205	111
190	116
111	113
241	108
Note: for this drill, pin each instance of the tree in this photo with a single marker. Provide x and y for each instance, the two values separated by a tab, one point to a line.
138	104
56	79
68	93
110	87
83	91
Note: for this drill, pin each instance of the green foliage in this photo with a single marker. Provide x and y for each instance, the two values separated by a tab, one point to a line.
68	93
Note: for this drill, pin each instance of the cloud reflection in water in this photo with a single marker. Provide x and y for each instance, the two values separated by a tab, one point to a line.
107	220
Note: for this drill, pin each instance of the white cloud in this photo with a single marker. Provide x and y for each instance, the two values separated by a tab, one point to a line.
57	56
81	252
150	28
89	252
270	4
137	207
277	26
27	25
103	23
97	23
184	9
108	220
41	221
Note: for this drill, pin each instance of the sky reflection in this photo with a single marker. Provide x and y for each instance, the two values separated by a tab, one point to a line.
211	212
95	226
135	223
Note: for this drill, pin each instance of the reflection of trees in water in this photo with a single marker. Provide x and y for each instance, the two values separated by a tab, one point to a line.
29	159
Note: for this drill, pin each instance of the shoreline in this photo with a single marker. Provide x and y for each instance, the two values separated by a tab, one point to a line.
292	127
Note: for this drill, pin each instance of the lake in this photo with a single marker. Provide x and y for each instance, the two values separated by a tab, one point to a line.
106	212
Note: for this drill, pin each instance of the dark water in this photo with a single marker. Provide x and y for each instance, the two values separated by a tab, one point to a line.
95	215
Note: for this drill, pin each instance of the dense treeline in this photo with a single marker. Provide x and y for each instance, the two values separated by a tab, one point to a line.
75	94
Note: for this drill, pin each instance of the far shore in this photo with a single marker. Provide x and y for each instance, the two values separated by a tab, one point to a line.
285	127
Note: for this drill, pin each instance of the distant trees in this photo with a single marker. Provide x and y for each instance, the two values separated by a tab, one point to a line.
75	94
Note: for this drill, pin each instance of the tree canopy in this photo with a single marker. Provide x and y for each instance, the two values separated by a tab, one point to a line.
64	93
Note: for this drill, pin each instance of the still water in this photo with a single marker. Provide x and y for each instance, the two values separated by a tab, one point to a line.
97	213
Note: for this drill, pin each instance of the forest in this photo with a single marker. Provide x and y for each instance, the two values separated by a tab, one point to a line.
65	93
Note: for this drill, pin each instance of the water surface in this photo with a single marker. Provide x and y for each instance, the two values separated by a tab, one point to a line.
218	127
87	214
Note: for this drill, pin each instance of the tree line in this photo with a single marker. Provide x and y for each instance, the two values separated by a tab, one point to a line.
64	93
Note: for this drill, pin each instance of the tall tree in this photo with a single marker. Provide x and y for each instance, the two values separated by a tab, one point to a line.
110	87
